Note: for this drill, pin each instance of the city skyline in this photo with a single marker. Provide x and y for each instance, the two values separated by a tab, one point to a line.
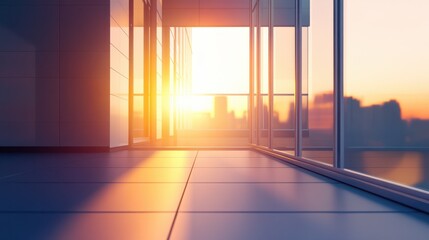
378	125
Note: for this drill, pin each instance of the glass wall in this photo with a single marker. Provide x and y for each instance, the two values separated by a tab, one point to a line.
254	68
278	33
172	79
138	127
386	72
283	79
215	103
382	113
159	71
264	85
318	82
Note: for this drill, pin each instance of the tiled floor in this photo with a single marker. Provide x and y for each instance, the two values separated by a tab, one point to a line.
139	194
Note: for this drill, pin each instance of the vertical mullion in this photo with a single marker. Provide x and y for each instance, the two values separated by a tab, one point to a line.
166	88
146	67
131	74
176	117
270	73
259	113
182	69
153	74
251	75
338	83
298	79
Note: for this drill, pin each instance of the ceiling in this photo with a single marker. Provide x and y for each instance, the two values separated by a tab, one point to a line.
227	13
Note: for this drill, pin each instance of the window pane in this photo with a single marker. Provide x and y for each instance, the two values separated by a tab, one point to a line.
318	113
284	88
264	99
386	74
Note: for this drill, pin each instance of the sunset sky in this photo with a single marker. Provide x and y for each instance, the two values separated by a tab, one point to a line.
220	60
386	55
220	64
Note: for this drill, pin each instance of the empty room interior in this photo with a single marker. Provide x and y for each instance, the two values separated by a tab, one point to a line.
214	119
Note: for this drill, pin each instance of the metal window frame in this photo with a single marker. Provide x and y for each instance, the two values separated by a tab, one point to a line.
131	73
270	73
401	194
251	74
338	83
411	197
153	72
258	75
166	86
298	79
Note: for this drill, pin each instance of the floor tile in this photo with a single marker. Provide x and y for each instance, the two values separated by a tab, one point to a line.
229	153
117	175
86	226
321	226
90	196
232	194
10	165
239	162
155	153
294	197
141	162
255	175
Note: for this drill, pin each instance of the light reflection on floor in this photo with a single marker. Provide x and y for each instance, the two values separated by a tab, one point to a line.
410	168
229	195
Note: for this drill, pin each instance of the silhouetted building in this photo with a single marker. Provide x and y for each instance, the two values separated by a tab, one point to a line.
417	134
373	126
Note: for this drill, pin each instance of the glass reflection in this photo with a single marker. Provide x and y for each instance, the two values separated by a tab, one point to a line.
264	73
213	104
318	112
284	88
386	117
138	81
119	72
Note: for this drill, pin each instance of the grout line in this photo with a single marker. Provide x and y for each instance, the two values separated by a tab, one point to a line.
78	212
184	167
268	182
86	182
237	167
284	182
181	198
300	212
207	212
80	183
3	181
89	167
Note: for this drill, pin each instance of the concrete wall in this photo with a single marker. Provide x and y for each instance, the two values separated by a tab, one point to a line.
54	73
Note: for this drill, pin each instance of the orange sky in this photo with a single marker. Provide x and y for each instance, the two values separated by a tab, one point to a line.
220	60
220	64
386	55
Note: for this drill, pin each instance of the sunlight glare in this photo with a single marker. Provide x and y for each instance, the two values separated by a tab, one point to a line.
220	60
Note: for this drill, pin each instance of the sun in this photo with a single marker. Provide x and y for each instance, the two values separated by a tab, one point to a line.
220	65
190	103
220	60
